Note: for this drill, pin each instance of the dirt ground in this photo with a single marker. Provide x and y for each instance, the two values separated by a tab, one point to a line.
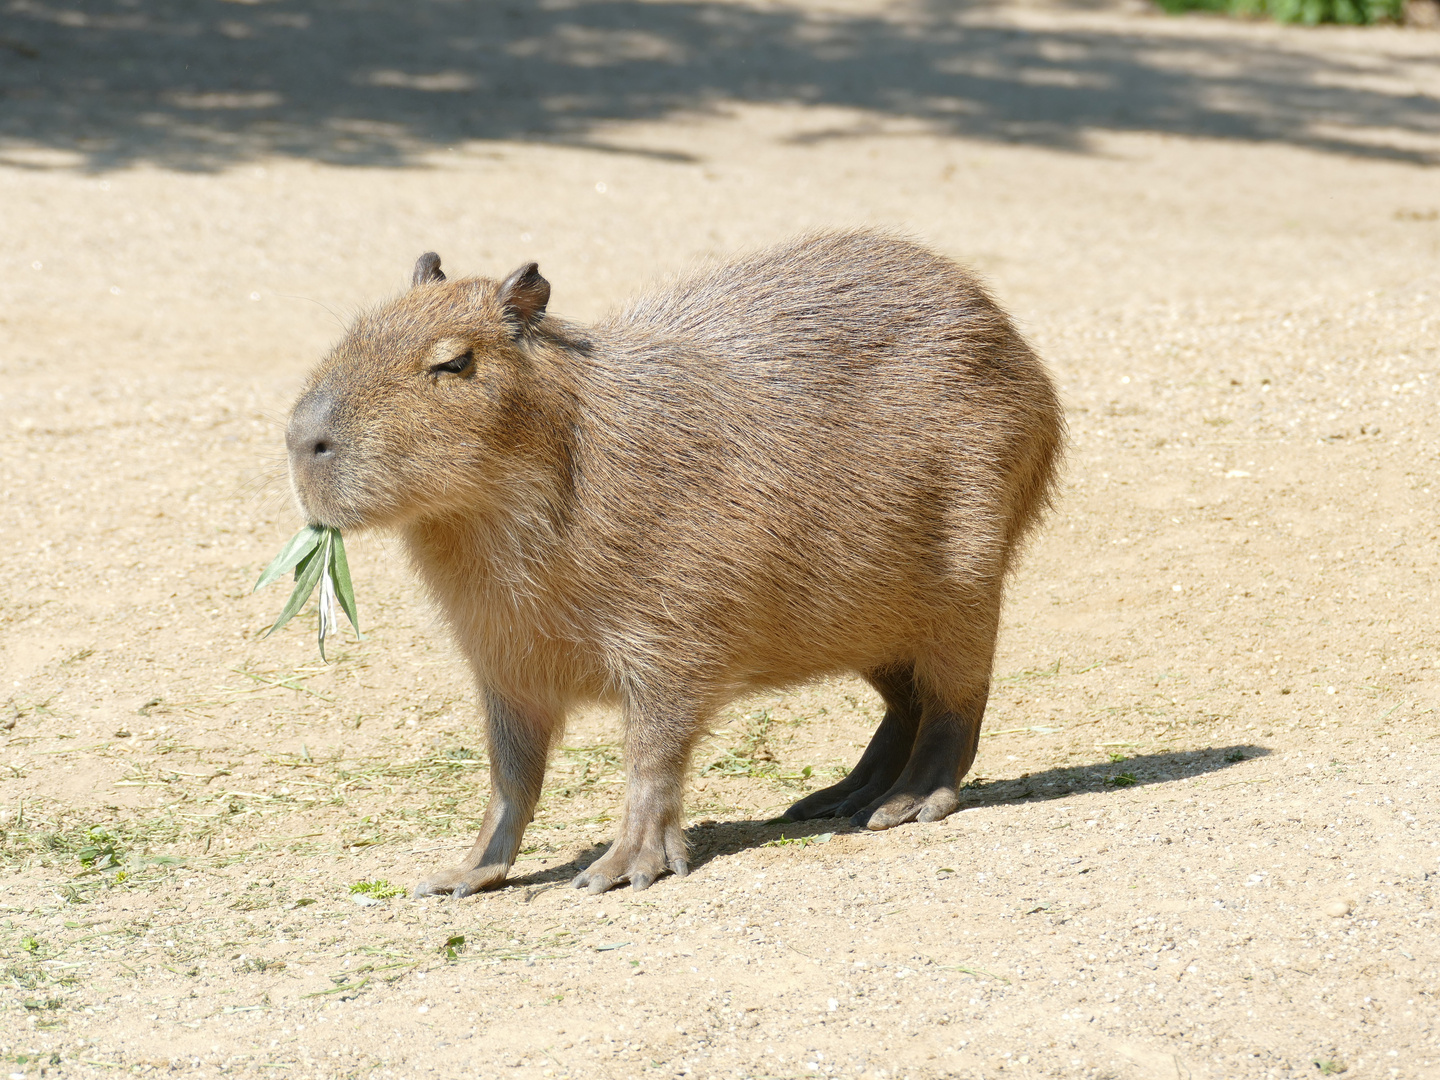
1201	838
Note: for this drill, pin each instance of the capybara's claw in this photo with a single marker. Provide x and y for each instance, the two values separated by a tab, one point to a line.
461	882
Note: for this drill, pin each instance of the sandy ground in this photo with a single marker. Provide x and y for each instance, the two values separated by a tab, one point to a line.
1201	837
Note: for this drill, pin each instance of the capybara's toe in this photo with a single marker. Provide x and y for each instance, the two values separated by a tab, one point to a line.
461	882
900	807
639	860
895	810
859	806
939	804
819	804
437	884
594	882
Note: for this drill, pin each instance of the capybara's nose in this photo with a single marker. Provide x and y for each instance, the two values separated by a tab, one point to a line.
310	436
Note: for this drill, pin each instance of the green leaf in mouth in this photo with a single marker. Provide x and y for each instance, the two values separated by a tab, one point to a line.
317	556
296	548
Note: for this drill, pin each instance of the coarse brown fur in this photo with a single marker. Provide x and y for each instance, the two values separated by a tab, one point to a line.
817	459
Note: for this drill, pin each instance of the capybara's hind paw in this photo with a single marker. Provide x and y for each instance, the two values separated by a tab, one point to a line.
902	806
840	800
640	862
819	804
462	882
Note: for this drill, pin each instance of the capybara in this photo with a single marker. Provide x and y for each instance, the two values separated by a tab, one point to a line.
818	459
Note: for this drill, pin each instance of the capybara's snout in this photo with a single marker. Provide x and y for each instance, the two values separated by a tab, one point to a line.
315	447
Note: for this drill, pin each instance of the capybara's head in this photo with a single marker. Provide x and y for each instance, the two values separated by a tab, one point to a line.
425	406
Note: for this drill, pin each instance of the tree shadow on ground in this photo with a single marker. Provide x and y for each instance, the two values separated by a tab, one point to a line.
191	85
714	840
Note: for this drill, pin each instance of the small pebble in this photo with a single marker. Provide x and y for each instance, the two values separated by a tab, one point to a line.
1339	908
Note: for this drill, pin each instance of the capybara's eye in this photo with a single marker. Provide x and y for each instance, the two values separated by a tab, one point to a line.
457	366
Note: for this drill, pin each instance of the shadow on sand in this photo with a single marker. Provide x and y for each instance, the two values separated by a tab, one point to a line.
713	841
201	86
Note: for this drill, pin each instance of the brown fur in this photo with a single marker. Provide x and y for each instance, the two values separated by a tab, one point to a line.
818	459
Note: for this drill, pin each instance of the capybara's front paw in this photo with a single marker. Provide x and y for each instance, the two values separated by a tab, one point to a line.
462	882
638	860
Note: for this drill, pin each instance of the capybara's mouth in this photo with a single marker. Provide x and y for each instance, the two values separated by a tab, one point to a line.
320	517
324	513
330	494
315	494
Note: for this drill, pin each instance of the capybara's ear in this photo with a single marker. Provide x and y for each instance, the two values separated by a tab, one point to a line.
427	271
524	294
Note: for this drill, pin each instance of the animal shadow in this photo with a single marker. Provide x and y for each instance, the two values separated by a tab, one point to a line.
714	840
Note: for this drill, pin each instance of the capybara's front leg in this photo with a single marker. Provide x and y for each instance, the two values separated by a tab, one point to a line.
519	747
651	838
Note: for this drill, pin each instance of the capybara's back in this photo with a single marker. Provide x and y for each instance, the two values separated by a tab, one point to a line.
818	459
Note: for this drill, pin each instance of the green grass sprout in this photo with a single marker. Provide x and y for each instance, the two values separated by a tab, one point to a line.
379	889
453	947
317	556
800	841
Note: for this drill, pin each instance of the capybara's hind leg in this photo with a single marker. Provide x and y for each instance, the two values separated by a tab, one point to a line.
651	837
928	787
519	747
884	758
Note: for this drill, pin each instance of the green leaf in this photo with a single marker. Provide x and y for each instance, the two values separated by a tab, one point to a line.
307	576
326	613
340	573
316	556
324	624
300	545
